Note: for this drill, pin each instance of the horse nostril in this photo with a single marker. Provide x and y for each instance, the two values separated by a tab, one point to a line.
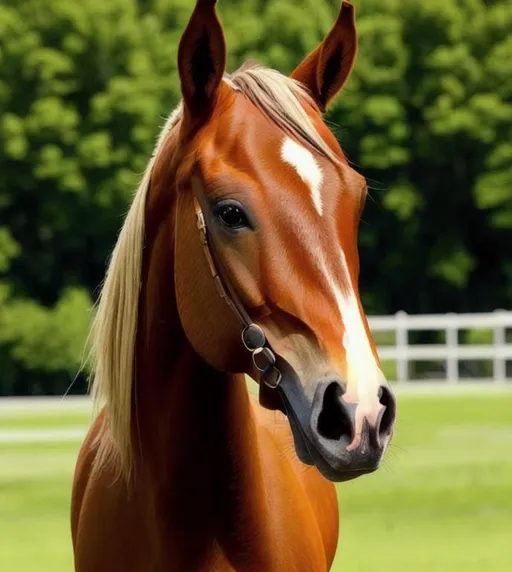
387	420
334	420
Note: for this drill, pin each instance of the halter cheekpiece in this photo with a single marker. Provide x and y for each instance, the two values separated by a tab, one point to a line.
253	336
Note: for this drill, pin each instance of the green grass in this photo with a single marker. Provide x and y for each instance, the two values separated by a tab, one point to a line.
442	502
35	485
50	420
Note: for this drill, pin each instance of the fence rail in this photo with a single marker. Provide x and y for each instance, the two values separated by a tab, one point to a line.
452	352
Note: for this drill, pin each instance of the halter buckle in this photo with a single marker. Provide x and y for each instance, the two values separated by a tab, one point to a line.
272	377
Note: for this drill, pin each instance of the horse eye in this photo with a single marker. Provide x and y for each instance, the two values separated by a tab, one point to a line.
231	215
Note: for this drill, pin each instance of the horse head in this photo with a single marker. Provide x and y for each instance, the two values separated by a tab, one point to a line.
282	207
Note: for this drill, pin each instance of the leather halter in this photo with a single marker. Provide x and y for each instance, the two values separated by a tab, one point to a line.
253	337
281	379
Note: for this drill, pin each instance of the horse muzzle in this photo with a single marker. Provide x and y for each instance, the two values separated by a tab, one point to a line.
342	439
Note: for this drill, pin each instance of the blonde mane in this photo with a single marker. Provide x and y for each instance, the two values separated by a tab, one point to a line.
114	328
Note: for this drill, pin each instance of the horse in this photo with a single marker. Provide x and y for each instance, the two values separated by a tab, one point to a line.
238	257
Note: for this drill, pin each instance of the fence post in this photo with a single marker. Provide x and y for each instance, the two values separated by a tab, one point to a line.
402	341
499	364
452	342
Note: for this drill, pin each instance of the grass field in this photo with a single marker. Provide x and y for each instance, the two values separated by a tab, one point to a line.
442	502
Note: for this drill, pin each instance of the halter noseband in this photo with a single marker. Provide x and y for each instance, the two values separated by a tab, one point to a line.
253	337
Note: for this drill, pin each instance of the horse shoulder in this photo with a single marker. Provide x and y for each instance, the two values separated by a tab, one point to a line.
82	475
106	518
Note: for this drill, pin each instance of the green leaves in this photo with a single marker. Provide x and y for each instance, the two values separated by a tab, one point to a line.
47	339
454	266
403	200
9	249
14	136
426	117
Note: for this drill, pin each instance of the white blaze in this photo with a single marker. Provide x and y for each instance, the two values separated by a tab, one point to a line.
307	168
364	377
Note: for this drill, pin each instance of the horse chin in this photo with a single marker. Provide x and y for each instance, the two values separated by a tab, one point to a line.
270	399
303	447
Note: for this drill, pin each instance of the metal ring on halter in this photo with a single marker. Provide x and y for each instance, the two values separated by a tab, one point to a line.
263	359
271	377
253	337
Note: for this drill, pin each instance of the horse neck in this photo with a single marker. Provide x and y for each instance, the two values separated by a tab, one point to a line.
193	426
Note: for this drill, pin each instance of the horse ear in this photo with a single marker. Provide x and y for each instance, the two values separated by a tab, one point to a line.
326	69
201	60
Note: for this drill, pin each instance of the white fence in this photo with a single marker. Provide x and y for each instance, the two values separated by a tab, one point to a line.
452	352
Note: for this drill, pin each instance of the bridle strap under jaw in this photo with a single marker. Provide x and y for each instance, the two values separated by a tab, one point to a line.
253	337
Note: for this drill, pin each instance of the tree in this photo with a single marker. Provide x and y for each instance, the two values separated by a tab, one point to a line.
426	116
83	89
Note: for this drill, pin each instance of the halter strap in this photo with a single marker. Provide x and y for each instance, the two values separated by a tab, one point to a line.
253	337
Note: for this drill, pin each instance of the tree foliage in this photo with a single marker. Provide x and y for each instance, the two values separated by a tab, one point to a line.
85	87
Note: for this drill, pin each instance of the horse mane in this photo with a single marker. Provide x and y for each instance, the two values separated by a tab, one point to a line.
114	327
